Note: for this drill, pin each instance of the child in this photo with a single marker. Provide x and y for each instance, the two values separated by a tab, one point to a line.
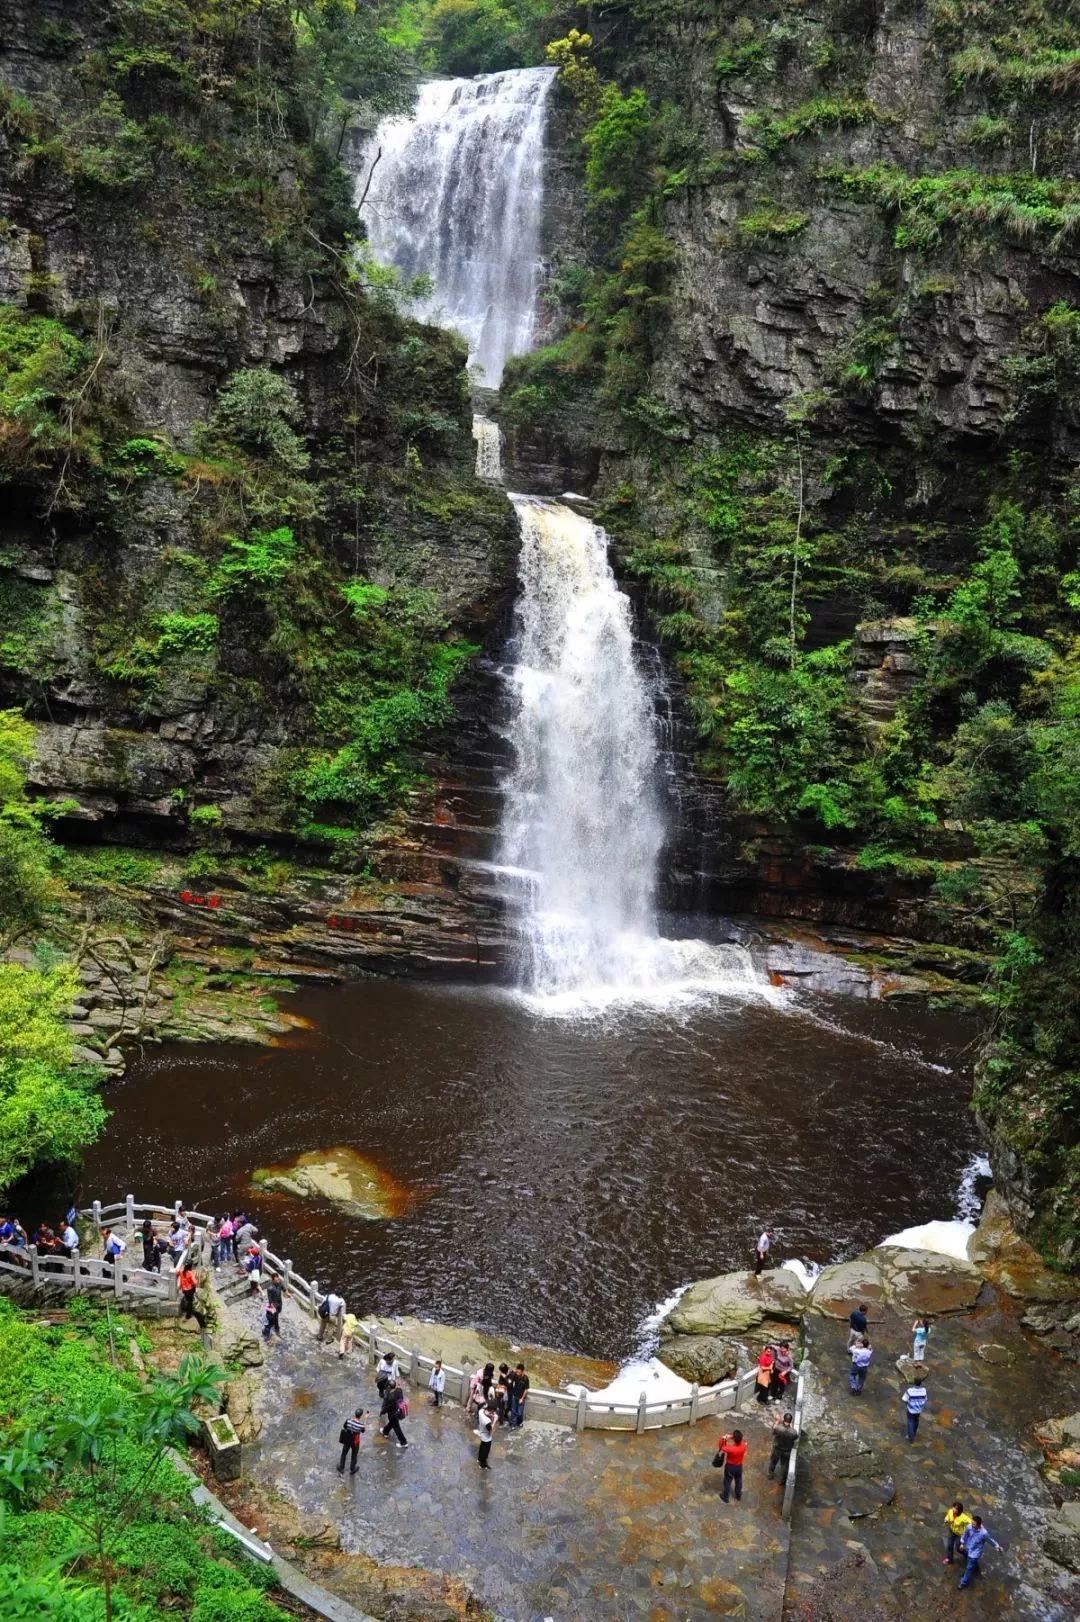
254	1269
437	1383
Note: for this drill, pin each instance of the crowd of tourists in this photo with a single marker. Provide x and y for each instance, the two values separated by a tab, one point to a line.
496	1397
63	1240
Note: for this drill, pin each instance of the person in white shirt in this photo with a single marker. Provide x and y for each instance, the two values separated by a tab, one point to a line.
437	1383
486	1421
331	1312
387	1373
70	1240
761	1250
112	1246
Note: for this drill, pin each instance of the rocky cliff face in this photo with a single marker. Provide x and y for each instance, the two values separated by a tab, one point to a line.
169	221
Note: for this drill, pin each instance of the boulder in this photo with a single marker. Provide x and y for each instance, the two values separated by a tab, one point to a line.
1062	1540
707	1359
924	1281
239	1401
839	1288
735	1303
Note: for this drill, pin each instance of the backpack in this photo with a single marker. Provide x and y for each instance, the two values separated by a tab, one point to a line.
324	1307
403	1409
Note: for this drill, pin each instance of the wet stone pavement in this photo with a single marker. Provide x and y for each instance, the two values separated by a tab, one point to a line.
563	1526
974	1443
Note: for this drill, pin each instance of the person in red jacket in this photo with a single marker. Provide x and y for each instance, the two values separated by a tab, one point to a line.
734	1450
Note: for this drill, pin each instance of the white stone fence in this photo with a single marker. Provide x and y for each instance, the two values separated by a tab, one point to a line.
135	1283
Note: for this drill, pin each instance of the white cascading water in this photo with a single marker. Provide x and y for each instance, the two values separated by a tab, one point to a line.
582	816
457	194
488	437
580	809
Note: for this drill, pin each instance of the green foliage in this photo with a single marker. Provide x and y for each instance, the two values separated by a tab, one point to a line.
87	1485
615	144
1046	376
52	409
48	1112
770	221
387	688
1018	206
770	133
472	36
256	563
576	72
26	883
256	410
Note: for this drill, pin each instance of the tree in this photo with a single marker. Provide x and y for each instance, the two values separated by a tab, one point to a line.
348	68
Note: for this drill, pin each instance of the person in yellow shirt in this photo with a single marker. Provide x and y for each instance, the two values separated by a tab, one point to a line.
956	1524
349	1325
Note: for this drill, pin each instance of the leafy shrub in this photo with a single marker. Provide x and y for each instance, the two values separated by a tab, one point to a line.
256	410
256	562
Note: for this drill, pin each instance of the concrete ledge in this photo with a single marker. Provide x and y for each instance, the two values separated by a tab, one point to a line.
317	1599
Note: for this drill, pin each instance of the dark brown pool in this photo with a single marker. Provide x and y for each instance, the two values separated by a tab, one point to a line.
562	1175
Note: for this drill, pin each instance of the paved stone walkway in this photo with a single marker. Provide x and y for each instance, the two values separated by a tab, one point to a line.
974	1443
564	1526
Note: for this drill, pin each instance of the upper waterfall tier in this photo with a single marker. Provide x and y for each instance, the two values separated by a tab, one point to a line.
457	194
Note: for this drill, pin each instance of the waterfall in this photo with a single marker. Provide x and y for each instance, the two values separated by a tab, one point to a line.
457	194
488	438
580	804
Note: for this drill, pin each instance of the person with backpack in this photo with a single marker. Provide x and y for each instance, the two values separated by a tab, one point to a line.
486	1421
226	1243
331	1313
112	1246
275	1300
914	1400
394	1409
349	1437
387	1374
437	1383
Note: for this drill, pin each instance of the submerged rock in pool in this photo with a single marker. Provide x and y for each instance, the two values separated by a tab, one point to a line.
734	1303
341	1176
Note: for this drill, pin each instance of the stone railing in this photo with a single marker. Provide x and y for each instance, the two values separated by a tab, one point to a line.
582	1412
793	1458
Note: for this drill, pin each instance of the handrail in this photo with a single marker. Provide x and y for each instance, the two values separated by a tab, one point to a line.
789	1479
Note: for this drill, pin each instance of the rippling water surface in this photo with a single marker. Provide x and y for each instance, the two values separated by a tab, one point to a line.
564	1175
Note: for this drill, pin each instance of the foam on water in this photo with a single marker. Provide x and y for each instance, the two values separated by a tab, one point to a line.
944	1238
